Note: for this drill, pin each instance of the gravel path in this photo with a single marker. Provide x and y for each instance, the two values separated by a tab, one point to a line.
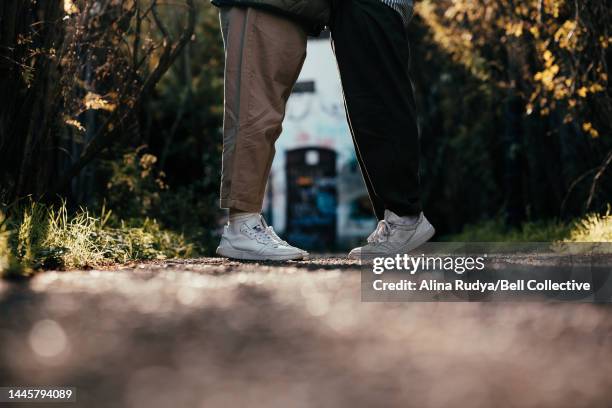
214	333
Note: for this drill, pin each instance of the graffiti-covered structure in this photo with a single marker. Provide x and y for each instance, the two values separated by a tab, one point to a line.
316	196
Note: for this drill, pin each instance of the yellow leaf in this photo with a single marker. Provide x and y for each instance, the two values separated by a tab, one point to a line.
74	123
70	7
95	101
554	69
548	55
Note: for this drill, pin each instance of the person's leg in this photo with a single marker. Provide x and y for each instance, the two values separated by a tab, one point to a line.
373	55
264	56
378	204
371	46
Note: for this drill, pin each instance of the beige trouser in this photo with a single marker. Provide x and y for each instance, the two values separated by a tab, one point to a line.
264	54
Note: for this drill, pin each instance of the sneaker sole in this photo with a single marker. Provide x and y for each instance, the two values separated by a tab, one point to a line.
249	256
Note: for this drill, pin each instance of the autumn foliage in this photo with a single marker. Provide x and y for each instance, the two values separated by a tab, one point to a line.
517	101
553	52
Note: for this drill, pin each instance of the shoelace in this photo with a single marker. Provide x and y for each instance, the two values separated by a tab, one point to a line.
273	233
381	233
260	234
275	236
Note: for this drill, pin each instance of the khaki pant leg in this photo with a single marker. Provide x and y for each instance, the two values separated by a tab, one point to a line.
264	56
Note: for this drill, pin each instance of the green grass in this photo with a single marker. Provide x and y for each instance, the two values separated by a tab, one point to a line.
591	228
9	265
38	237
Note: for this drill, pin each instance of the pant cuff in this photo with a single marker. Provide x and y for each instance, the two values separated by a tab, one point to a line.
407	211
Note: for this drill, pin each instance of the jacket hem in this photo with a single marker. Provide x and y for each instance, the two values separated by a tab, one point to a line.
312	27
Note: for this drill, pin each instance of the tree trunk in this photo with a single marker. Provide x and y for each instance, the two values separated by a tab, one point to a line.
29	85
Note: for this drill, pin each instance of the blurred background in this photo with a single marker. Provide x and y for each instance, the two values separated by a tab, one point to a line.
111	115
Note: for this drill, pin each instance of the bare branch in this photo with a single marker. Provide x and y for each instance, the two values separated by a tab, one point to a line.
110	131
600	172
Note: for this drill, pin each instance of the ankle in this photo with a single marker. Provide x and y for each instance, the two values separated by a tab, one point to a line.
238	215
401	218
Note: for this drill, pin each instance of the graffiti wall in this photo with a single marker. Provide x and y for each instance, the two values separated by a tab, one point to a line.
316	196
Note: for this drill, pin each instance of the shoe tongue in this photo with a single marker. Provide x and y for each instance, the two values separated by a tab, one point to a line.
255	222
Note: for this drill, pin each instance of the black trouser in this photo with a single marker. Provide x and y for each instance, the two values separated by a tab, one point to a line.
373	54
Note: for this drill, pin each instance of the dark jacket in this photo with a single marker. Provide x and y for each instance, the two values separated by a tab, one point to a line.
313	14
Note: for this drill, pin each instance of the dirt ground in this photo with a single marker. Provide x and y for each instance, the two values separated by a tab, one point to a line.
214	333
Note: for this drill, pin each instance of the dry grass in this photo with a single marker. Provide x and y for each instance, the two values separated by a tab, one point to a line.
590	228
39	237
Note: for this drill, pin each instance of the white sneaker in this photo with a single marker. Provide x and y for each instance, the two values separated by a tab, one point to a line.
395	235
251	239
